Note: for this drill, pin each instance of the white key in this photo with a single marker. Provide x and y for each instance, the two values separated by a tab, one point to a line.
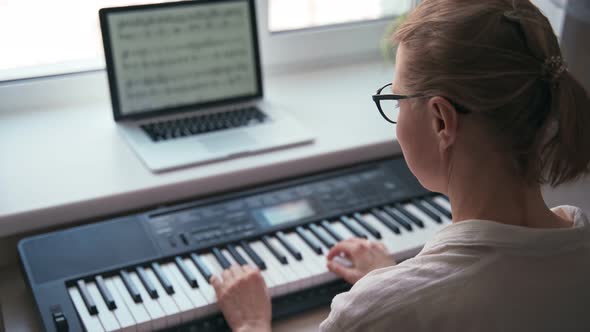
91	322
265	273
310	258
342	230
444	203
213	265
285	279
107	319
199	301
185	305
137	310
328	276
152	306
173	313
205	287
429	223
388	237
121	312
302	275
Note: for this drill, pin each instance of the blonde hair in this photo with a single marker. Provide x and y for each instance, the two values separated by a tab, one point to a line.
501	59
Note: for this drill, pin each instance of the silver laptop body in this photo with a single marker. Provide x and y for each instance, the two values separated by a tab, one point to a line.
186	83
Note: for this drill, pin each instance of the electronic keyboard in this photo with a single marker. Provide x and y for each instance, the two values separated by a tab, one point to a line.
150	271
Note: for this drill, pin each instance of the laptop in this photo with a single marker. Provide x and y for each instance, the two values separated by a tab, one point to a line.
186	83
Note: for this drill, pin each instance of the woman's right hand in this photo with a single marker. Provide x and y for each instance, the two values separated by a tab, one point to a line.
364	255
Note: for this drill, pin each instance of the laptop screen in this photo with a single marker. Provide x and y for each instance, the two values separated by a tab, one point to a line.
170	57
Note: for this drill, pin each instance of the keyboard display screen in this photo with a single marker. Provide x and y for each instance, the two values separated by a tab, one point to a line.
286	212
182	55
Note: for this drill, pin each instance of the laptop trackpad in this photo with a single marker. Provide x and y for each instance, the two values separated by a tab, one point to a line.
228	142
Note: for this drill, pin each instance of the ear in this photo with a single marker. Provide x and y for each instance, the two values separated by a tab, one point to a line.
445	121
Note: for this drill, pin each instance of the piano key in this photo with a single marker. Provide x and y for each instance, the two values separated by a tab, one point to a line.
313	245
236	255
204	287
161	276
321	235
203	269
287	244
398	217
220	258
281	273
426	209
146	282
388	237
172	312
443	201
410	216
349	223
344	232
186	273
86	297
188	299
274	250
270	282
227	255
299	269
310	257
121	312
105	293
211	261
385	219
438	206
140	315
131	287
152	306
330	230
361	221
107	319
90	322
248	249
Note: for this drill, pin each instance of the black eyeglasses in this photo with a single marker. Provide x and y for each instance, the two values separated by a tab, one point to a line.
388	104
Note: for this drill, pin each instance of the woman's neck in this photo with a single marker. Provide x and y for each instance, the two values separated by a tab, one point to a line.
483	192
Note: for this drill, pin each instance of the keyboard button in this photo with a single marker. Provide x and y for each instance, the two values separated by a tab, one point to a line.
204	287
107	319
200	265
268	278
131	287
309	241
439	206
172	312
236	255
344	232
140	315
151	305
223	262
327	226
398	217
410	216
386	220
274	250
426	209
321	235
252	254
189	300
289	246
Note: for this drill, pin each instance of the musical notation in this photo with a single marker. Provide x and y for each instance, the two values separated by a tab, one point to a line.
183	55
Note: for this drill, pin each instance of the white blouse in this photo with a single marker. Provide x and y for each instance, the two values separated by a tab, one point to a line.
479	275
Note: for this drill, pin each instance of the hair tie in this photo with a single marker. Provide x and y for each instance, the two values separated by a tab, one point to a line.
553	68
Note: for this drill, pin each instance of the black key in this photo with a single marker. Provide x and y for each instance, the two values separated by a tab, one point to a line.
201	267
359	218
385	219
323	238
409	215
348	223
147	283
253	255
289	246
328	227
131	287
426	209
439	207
311	242
236	255
225	264
398	217
105	293
274	250
188	275
88	301
162	278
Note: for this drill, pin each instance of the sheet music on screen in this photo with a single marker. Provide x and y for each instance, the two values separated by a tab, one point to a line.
182	55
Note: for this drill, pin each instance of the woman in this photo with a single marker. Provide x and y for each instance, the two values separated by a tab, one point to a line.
488	113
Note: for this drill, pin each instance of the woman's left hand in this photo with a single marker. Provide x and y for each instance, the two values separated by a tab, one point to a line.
243	298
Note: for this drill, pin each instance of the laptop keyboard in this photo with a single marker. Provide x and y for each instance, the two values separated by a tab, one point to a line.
201	124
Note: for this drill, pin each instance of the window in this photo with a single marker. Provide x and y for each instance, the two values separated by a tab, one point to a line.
41	38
